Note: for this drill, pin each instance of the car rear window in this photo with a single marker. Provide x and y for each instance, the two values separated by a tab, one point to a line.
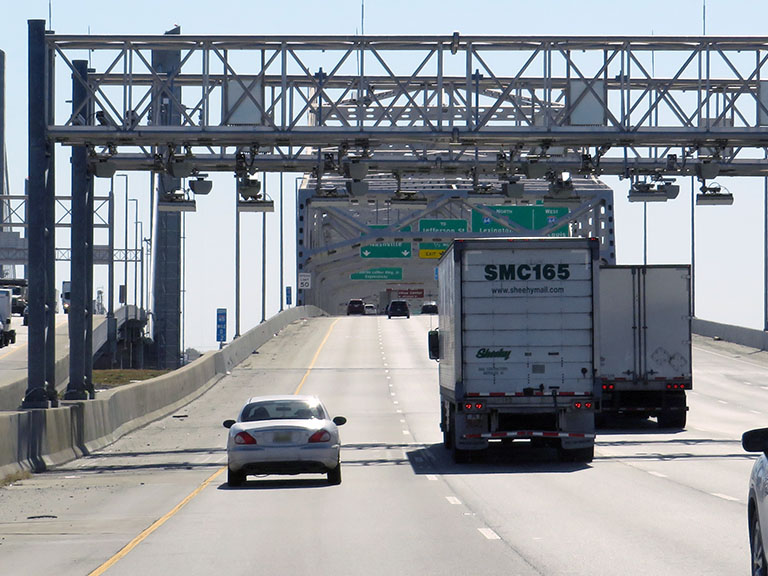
282	410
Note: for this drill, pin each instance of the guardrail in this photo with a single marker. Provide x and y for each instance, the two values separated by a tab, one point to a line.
36	439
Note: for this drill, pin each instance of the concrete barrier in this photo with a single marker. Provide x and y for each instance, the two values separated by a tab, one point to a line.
735	334
37	439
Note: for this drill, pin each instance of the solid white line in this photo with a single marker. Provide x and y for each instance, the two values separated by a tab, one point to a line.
725	497
453	500
489	534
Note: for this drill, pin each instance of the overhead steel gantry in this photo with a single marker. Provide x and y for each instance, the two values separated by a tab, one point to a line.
482	106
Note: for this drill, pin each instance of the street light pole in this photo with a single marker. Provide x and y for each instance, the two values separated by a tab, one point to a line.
135	251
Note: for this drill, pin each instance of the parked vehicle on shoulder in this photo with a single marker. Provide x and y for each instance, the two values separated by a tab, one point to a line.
355	306
291	434
398	308
757	500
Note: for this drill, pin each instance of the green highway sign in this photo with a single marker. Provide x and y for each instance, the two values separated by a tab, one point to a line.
378	274
445	225
531	217
386	250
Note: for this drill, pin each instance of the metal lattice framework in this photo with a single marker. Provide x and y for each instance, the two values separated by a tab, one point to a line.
600	105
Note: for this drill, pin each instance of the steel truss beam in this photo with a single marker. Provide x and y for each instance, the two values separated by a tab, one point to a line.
631	105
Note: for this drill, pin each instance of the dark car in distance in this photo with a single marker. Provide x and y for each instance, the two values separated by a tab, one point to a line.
429	308
355	306
398	308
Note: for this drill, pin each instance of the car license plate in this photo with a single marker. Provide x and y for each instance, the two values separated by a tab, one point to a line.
282	437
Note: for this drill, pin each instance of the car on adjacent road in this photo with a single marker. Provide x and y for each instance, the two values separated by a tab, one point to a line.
355	306
757	500
283	434
398	308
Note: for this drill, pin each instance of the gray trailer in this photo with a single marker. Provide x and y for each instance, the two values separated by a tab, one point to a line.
645	334
517	344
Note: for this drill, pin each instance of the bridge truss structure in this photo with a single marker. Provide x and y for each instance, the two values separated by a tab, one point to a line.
496	111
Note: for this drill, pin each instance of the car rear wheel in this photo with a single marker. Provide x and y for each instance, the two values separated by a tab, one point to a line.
759	566
235	479
334	476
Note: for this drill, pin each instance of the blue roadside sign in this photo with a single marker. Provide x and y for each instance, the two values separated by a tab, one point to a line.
221	324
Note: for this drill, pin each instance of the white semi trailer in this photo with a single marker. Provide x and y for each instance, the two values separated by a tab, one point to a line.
7	333
517	344
645	334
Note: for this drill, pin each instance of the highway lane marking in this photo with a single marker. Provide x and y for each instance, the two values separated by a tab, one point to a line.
146	533
317	354
489	534
431	477
657	474
755	412
724	497
453	500
143	536
722	402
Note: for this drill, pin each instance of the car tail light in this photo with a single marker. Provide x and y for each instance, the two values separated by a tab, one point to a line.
320	436
609	386
579	405
244	438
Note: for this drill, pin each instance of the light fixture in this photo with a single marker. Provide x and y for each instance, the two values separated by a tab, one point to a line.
535	169
200	185
103	167
713	195
255	206
180	166
408	199
657	191
176	202
249	188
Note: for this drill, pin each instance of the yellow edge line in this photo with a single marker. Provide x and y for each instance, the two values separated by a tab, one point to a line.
312	364
145	534
141	537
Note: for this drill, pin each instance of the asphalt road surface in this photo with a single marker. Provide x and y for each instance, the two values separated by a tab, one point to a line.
157	502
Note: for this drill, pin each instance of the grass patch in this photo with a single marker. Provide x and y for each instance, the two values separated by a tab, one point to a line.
105	379
15	477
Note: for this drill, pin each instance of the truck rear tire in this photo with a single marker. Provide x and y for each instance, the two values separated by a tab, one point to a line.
577	454
673	419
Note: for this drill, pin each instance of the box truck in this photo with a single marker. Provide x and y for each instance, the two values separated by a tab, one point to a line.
645	334
517	344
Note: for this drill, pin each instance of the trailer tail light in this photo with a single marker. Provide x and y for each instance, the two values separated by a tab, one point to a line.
676	386
609	386
579	405
469	406
244	438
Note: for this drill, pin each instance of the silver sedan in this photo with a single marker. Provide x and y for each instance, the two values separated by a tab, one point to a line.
757	507
283	435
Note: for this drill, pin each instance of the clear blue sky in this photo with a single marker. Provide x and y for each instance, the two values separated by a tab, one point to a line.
729	240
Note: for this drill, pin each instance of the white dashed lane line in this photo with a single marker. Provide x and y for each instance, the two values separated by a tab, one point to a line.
725	497
453	500
489	534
